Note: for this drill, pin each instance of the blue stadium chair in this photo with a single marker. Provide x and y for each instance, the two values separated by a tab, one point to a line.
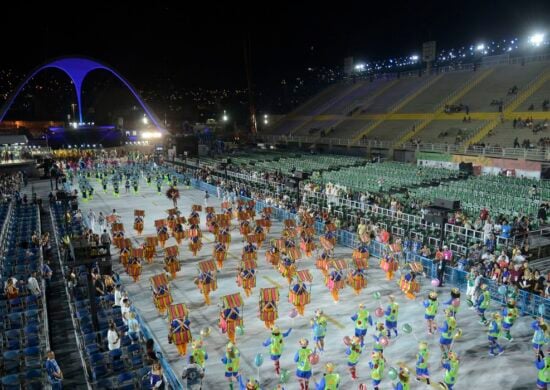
31	302
104	384
124	378
126	341
32	341
97	359
99	372
15	320
33	357
10	382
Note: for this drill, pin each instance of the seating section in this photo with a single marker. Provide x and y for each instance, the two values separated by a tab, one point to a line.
537	99
315	128
500	195
384	177
350	128
22	317
398	104
497	85
391	130
121	368
450	131
427	100
385	101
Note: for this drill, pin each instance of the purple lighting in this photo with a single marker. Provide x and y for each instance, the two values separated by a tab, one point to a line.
77	69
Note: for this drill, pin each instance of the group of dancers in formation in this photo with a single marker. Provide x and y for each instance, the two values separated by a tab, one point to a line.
284	254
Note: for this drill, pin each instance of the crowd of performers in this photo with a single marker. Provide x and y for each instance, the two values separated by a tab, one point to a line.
284	254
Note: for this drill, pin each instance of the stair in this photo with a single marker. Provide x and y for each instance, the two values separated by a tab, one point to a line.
62	333
396	107
538	82
451	99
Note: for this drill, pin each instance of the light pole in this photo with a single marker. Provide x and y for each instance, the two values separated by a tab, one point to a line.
73	105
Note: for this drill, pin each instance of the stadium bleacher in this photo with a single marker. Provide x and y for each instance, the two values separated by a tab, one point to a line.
389	109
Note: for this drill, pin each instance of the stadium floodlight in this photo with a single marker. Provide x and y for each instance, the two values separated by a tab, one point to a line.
225	118
536	39
360	67
414	57
145	120
480	47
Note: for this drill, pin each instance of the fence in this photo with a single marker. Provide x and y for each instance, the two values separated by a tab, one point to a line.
527	303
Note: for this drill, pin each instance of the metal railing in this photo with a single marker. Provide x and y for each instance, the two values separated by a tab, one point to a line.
527	303
529	154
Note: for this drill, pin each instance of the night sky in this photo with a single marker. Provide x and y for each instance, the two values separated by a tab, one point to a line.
203	45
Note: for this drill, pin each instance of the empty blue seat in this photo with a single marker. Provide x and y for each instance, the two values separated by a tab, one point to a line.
99	372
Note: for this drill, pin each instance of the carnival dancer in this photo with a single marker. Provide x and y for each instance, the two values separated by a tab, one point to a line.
540	336
431	306
220	254
300	291
389	265
376	365
247	278
493	335
232	360
159	184
195	245
543	376
451	365
276	345
180	334
482	304
322	262
138	223
379	334
199	353
391	313
251	383
454	302
447	332
330	379
404	377
231	316
362	320
206	281
303	366
319	327
354	353
408	285
422	358
287	268
357	279
250	251
335	283
510	314
273	256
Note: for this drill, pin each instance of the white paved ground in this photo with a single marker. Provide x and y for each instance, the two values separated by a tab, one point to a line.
513	370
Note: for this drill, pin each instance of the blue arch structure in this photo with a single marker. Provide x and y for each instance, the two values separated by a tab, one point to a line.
77	68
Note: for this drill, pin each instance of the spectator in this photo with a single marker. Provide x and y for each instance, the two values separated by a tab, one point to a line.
133	327
125	310
193	374
105	238
113	338
32	285
538	283
150	350
155	377
117	296
55	375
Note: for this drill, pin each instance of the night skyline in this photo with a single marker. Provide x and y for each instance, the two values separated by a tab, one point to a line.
203	47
